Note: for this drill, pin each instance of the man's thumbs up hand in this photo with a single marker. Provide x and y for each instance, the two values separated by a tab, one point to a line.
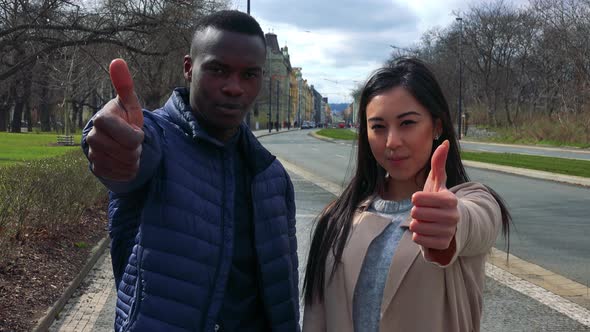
126	97
116	137
435	214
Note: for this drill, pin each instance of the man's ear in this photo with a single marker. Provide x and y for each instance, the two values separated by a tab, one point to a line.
188	68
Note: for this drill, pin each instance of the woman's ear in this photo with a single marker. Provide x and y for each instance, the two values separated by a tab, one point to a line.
438	128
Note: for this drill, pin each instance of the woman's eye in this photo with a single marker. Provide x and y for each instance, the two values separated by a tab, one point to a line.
376	127
408	122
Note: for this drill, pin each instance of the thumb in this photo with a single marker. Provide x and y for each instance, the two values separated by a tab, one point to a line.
438	173
123	83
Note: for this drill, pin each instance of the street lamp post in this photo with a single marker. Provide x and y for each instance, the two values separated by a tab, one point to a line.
250	111
460	102
270	103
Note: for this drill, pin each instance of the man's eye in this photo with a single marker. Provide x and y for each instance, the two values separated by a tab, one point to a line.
251	75
216	70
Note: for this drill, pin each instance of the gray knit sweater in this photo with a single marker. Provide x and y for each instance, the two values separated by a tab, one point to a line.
368	293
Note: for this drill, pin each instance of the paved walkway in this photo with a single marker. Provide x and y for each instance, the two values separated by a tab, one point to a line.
86	310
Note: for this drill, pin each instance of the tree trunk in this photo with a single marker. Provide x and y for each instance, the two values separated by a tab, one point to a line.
21	101
28	117
17	115
507	110
5	105
44	110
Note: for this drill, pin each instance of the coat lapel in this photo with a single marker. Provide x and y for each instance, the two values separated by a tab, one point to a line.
354	253
405	254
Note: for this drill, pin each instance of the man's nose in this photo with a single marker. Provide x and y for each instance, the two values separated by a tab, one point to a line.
233	86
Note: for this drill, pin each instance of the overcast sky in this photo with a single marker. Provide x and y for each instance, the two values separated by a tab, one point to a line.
339	42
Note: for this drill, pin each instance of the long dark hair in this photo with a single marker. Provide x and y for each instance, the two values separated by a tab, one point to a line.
334	223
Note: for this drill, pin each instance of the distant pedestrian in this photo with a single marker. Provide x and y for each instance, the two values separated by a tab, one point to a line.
201	215
397	250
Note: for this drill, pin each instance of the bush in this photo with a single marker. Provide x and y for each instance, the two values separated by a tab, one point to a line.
559	129
44	195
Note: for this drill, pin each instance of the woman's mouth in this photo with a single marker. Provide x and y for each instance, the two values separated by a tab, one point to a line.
397	160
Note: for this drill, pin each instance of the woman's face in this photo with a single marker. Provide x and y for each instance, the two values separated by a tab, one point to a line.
401	133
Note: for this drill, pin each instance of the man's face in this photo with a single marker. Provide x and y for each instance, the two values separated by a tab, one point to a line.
225	75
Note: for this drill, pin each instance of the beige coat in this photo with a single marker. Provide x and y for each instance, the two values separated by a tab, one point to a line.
419	295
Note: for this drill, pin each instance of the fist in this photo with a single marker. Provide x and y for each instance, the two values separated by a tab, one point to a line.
116	137
435	214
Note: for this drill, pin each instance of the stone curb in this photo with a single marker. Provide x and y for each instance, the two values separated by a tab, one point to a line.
266	133
555	177
45	322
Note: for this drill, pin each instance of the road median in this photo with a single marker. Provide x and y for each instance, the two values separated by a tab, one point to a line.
489	164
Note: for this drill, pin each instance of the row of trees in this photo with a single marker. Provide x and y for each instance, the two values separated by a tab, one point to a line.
54	54
518	62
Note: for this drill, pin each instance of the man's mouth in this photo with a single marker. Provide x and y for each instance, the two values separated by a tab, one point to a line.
230	107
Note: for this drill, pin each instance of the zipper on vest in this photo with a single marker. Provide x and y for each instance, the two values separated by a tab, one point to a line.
258	263
220	265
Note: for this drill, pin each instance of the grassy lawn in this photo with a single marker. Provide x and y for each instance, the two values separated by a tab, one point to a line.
338	133
16	148
547	164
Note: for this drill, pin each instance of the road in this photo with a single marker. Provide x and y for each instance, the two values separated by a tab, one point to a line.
550	229
551	224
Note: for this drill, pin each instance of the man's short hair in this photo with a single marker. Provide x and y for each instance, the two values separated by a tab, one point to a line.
230	20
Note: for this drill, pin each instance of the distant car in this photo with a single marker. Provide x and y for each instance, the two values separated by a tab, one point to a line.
341	125
305	125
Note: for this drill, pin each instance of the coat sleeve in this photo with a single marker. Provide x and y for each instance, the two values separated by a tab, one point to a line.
151	155
291	215
480	220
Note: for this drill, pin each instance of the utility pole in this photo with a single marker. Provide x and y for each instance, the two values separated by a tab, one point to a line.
289	108
270	103
250	111
278	105
460	102
269	55
299	103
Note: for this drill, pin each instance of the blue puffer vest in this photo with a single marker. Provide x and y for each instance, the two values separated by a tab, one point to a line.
172	228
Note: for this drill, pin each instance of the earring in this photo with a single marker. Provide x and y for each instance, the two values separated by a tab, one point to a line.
436	137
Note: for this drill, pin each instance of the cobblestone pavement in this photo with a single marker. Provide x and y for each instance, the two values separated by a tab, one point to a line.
91	308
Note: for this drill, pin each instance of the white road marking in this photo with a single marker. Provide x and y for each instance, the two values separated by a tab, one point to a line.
553	301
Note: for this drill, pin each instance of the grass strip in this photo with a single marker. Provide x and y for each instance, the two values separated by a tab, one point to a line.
337	133
540	163
548	164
